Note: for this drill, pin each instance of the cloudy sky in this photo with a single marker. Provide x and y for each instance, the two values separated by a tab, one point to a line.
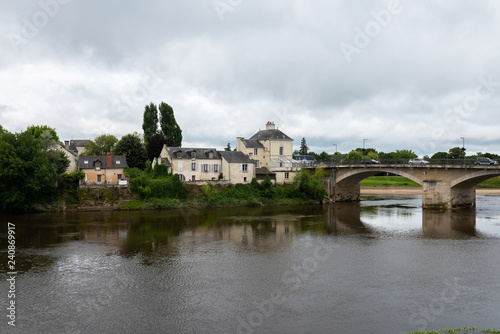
406	74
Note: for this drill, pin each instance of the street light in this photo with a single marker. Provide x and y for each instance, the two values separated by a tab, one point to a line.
463	147
335	148
364	150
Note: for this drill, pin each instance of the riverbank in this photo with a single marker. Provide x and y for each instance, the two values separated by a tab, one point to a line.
413	191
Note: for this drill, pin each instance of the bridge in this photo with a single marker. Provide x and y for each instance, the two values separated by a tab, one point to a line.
443	186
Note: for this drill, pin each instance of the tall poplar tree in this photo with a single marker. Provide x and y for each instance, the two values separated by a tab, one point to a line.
150	121
169	127
303	146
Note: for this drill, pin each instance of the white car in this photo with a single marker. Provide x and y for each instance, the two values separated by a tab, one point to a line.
418	161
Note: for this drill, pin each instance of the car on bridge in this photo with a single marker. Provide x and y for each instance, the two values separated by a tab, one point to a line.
485	161
370	162
418	161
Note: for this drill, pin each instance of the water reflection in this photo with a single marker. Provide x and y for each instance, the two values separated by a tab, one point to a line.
449	225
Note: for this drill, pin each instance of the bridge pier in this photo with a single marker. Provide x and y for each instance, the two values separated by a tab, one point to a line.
347	192
440	194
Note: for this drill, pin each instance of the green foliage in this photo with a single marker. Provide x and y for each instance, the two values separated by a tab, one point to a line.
456	153
309	186
37	130
169	126
303	147
156	183
28	173
440	155
130	146
73	177
101	145
354	156
228	147
150	121
323	156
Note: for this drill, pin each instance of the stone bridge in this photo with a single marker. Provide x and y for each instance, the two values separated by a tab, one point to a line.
443	186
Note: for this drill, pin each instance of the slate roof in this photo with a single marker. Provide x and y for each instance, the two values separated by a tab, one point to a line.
201	153
235	157
92	159
263	171
251	143
270	134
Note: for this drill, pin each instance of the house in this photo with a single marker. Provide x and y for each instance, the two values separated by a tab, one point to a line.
106	169
272	150
237	167
76	147
73	162
207	164
193	164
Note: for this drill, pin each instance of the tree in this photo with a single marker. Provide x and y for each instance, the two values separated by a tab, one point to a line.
440	155
37	130
228	147
353	156
155	145
28	172
303	147
101	145
309	186
150	121
456	153
323	156
131	146
169	126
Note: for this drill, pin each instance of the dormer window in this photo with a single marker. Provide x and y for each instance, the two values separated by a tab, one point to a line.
85	162
210	155
193	155
117	162
179	155
97	165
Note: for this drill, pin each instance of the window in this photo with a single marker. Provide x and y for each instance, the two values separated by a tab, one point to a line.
86	162
99	178
256	163
193	155
244	167
210	155
281	150
216	168
179	155
193	178
179	166
287	176
119	177
255	151
182	177
193	166
281	164
245	179
205	168
117	162
98	165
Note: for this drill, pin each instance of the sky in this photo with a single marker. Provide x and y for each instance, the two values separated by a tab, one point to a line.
420	75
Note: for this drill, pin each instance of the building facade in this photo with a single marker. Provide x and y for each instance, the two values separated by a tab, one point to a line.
102	169
272	150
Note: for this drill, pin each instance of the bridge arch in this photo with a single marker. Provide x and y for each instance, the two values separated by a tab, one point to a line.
473	179
357	175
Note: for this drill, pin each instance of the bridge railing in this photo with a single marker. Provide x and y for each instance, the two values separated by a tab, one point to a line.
391	162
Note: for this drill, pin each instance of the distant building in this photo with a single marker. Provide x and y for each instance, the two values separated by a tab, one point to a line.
77	146
107	169
272	150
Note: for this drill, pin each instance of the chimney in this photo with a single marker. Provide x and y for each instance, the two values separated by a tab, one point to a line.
270	125
109	160
66	144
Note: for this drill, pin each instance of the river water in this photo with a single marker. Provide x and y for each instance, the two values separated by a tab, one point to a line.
379	266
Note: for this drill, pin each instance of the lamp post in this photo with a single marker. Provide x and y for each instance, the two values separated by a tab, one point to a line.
463	147
364	150
335	148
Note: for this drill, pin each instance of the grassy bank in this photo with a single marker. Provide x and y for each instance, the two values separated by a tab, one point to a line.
167	203
399	181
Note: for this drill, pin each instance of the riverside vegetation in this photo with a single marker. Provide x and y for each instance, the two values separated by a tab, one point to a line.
159	189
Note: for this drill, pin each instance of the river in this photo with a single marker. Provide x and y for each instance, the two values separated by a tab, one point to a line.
379	266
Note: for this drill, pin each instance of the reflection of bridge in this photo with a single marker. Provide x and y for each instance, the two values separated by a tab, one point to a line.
443	186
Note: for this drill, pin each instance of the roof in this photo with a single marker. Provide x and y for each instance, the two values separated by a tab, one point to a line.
271	134
303	157
118	161
251	143
166	162
263	171
79	142
235	157
186	153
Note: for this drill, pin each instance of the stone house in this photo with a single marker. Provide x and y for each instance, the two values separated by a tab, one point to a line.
106	169
272	150
207	164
